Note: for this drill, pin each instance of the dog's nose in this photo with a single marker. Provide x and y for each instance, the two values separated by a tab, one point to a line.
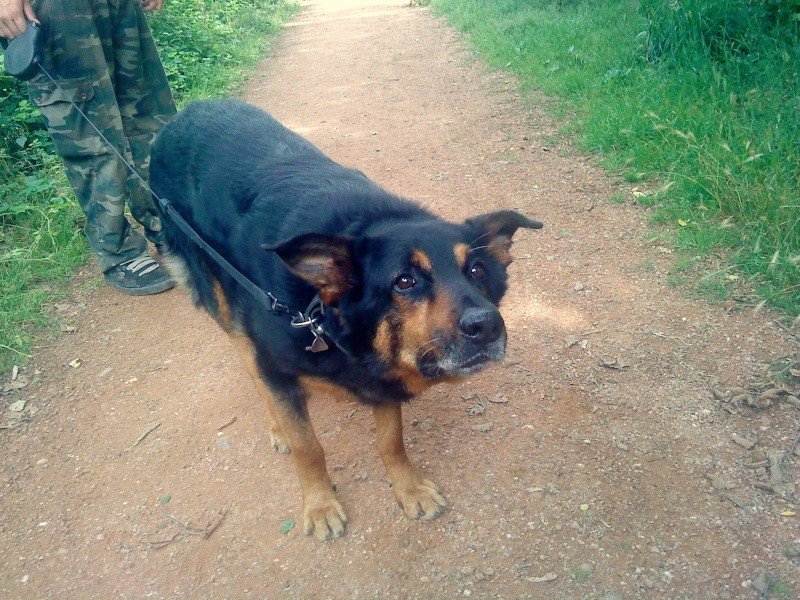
482	325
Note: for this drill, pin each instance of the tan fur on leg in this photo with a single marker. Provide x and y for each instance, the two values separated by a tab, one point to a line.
419	497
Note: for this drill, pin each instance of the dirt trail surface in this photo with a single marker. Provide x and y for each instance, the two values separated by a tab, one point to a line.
634	444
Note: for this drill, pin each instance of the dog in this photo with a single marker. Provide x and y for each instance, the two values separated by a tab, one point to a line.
398	299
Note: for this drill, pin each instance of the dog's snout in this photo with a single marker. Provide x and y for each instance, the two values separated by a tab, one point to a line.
482	325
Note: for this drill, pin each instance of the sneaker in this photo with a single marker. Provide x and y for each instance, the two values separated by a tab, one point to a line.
139	277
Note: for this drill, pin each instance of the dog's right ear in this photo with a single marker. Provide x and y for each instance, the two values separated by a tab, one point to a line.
325	261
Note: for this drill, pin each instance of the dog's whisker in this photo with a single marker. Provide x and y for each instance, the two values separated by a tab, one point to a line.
480	237
433	341
421	356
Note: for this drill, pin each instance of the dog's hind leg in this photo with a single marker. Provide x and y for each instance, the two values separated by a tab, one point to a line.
418	497
247	352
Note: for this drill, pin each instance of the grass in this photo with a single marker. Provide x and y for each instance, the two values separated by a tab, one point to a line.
695	101
207	48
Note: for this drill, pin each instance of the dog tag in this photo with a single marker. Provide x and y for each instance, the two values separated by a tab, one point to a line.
318	345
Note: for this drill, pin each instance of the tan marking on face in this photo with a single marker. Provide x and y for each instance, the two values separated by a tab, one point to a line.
461	251
499	247
422	261
422	324
383	341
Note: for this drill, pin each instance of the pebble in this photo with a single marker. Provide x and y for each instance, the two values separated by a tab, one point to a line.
224	443
579	287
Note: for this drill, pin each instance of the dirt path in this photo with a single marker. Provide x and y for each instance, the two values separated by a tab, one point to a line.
612	469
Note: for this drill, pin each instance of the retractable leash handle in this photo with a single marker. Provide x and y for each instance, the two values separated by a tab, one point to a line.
23	54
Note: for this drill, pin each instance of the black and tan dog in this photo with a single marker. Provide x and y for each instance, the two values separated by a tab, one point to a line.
409	300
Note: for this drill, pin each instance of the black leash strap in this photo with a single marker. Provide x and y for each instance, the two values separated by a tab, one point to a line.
266	299
23	57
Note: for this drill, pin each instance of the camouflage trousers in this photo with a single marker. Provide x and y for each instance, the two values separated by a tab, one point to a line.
103	57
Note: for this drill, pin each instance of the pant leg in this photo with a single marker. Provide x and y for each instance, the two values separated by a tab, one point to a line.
74	55
144	99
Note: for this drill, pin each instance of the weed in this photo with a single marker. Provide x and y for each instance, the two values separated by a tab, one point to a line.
617	198
582	574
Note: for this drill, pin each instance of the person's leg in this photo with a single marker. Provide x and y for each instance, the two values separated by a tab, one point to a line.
73	55
144	99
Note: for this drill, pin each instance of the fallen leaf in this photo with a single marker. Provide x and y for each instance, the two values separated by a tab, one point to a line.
788	513
469	394
18	406
476	409
544	578
499	399
483	427
164	500
617	363
75	363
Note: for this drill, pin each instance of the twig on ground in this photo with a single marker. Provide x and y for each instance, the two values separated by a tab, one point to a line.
203	531
150	429
228	423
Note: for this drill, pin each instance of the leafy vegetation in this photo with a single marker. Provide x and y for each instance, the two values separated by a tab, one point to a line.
206	47
699	99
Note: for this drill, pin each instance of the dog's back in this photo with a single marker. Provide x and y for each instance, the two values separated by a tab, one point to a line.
242	179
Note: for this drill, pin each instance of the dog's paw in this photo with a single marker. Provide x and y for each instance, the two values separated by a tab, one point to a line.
323	516
279	441
419	498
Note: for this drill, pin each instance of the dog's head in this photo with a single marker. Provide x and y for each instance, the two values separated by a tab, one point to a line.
420	293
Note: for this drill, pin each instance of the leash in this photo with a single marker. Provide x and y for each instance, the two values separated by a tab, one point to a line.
25	57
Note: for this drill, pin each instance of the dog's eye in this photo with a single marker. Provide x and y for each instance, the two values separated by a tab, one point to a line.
477	271
404	282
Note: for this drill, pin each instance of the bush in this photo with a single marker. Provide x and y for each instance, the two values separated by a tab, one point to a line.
681	31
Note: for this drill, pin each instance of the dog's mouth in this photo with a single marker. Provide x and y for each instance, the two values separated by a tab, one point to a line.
463	362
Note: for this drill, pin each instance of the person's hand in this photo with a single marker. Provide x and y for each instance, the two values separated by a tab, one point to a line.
149	5
14	17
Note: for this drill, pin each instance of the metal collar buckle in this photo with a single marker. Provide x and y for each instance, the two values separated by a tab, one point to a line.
309	319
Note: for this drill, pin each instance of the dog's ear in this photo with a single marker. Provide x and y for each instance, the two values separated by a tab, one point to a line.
325	261
497	229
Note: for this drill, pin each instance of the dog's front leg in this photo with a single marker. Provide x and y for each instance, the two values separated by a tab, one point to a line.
323	515
419	497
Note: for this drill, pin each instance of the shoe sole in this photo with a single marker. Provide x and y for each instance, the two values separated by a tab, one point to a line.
149	290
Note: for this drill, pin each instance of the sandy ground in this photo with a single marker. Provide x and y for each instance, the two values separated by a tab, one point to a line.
639	448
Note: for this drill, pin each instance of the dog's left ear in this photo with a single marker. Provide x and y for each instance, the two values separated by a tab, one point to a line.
498	229
325	261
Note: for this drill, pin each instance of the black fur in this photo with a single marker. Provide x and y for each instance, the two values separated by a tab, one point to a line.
245	182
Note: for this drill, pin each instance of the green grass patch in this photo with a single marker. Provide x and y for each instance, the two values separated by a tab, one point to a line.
698	99
207	47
